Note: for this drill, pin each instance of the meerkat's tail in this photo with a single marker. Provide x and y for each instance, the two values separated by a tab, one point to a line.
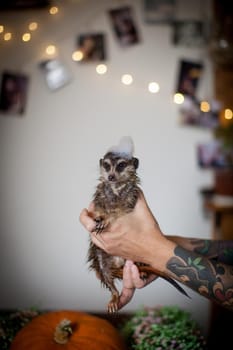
149	269
146	269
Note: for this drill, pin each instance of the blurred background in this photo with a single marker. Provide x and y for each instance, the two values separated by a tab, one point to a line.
76	76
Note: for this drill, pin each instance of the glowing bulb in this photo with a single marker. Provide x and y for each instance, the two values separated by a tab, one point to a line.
26	37
101	69
178	98
51	49
228	114
7	36
77	56
205	106
33	26
53	10
127	79
1	29
153	87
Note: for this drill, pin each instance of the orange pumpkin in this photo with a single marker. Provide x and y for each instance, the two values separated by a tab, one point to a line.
68	330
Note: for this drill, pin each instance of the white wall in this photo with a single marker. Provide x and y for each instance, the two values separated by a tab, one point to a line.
49	157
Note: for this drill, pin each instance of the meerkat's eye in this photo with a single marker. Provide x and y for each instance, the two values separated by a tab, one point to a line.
121	166
106	166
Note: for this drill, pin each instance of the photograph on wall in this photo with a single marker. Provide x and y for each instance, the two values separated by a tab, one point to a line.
189	33
124	26
158	11
189	74
92	46
211	155
191	114
55	72
13	93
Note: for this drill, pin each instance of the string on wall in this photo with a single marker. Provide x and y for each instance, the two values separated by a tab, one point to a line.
91	47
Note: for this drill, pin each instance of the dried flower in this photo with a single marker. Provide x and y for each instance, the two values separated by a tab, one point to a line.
11	323
164	327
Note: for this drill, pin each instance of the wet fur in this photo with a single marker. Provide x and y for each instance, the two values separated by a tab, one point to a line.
115	195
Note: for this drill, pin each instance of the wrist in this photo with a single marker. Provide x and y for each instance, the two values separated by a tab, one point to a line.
160	254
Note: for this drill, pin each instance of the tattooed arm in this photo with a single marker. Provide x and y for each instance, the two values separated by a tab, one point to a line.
200	265
219	250
207	276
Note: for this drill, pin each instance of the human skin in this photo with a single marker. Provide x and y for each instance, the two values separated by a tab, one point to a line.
203	265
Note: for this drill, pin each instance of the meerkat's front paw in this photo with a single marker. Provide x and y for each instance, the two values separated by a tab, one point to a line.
100	225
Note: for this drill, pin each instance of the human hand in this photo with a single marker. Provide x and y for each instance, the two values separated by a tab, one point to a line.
135	236
131	282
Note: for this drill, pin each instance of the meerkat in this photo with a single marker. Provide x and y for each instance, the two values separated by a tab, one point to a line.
115	195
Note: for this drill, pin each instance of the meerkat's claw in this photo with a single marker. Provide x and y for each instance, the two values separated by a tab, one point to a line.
143	276
99	227
113	304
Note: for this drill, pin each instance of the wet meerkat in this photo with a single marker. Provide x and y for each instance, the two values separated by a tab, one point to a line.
116	194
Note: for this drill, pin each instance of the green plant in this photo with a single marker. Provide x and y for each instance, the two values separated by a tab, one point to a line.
11	323
167	327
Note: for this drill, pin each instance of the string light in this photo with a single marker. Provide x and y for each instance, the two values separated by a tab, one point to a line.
153	87
51	49
178	98
101	69
127	79
205	106
33	26
228	114
7	36
53	10
77	56
26	37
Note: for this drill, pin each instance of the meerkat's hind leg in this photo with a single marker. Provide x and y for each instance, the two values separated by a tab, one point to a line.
113	303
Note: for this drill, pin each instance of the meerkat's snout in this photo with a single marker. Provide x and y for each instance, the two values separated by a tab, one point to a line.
111	177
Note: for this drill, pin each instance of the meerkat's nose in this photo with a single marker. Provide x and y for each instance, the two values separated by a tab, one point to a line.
111	177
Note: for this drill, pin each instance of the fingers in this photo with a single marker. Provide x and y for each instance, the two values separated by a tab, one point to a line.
131	281
127	275
128	287
125	297
86	220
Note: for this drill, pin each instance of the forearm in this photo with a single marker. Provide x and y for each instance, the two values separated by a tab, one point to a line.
220	250
210	278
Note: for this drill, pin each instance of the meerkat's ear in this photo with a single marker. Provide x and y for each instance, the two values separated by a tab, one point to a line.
101	162
135	162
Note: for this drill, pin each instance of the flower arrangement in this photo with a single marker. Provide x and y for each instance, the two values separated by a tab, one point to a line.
11	323
167	327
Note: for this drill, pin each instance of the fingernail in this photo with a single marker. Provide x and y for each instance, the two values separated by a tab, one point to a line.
128	263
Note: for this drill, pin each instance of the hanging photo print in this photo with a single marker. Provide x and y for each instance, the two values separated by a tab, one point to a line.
13	94
92	47
192	114
211	155
56	74
123	25
189	33
189	75
158	11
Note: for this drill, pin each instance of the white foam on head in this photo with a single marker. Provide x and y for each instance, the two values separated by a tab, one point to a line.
124	148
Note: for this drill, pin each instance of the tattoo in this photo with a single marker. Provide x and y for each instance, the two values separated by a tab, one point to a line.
208	277
220	250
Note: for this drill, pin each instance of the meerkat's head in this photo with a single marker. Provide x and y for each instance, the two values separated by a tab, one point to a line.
117	168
